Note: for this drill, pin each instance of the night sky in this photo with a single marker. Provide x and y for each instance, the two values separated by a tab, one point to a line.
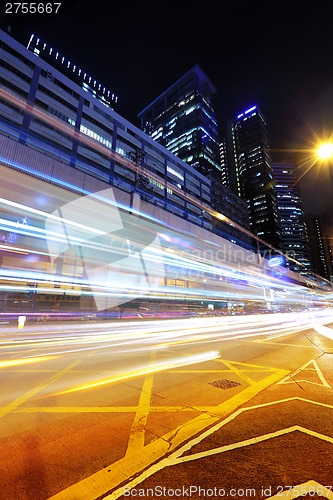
277	55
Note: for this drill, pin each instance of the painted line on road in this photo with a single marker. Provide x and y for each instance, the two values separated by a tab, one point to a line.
287	400
153	409
136	439
285	344
258	370
251	365
22	399
112	409
176	457
111	477
320	374
275	336
255	440
290	378
238	372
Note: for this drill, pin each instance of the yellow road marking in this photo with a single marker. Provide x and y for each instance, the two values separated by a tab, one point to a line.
310	487
152	409
162	366
284	343
199	371
287	400
255	440
169	460
258	370
111	409
136	439
275	336
238	372
320	374
174	459
303	380
305	367
108	478
37	370
250	365
14	404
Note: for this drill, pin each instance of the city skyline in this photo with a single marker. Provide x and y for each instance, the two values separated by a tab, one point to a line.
242	74
276	59
154	344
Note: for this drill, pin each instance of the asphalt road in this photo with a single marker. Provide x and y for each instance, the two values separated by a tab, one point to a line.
221	407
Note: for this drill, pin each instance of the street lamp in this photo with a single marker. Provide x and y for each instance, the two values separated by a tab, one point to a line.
325	151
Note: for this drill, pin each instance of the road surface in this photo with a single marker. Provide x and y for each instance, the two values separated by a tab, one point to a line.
215	407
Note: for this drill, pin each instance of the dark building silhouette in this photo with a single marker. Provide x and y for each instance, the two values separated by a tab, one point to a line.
183	120
228	159
328	256
290	207
318	255
249	172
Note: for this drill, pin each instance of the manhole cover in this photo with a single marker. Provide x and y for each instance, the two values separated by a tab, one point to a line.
224	383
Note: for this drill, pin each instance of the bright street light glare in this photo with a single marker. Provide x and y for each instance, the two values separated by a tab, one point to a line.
325	151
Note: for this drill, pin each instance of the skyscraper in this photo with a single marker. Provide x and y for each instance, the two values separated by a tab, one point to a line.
70	117
290	207
228	159
328	257
317	251
251	168
183	120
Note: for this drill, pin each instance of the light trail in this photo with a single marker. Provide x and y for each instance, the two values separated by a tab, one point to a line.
182	270
146	370
119	344
16	362
133	336
132	166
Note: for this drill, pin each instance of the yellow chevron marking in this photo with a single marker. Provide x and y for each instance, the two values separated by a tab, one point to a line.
306	367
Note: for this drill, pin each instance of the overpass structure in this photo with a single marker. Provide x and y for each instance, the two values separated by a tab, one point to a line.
96	217
74	244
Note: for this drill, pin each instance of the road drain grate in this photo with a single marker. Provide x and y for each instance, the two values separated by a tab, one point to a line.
224	383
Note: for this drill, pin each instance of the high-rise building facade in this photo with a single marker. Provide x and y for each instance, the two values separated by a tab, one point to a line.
223	163
318	254
72	71
228	159
251	165
183	120
46	111
293	228
328	256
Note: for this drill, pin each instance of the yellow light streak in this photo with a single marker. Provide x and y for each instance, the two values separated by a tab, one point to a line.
14	362
183	341
189	360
